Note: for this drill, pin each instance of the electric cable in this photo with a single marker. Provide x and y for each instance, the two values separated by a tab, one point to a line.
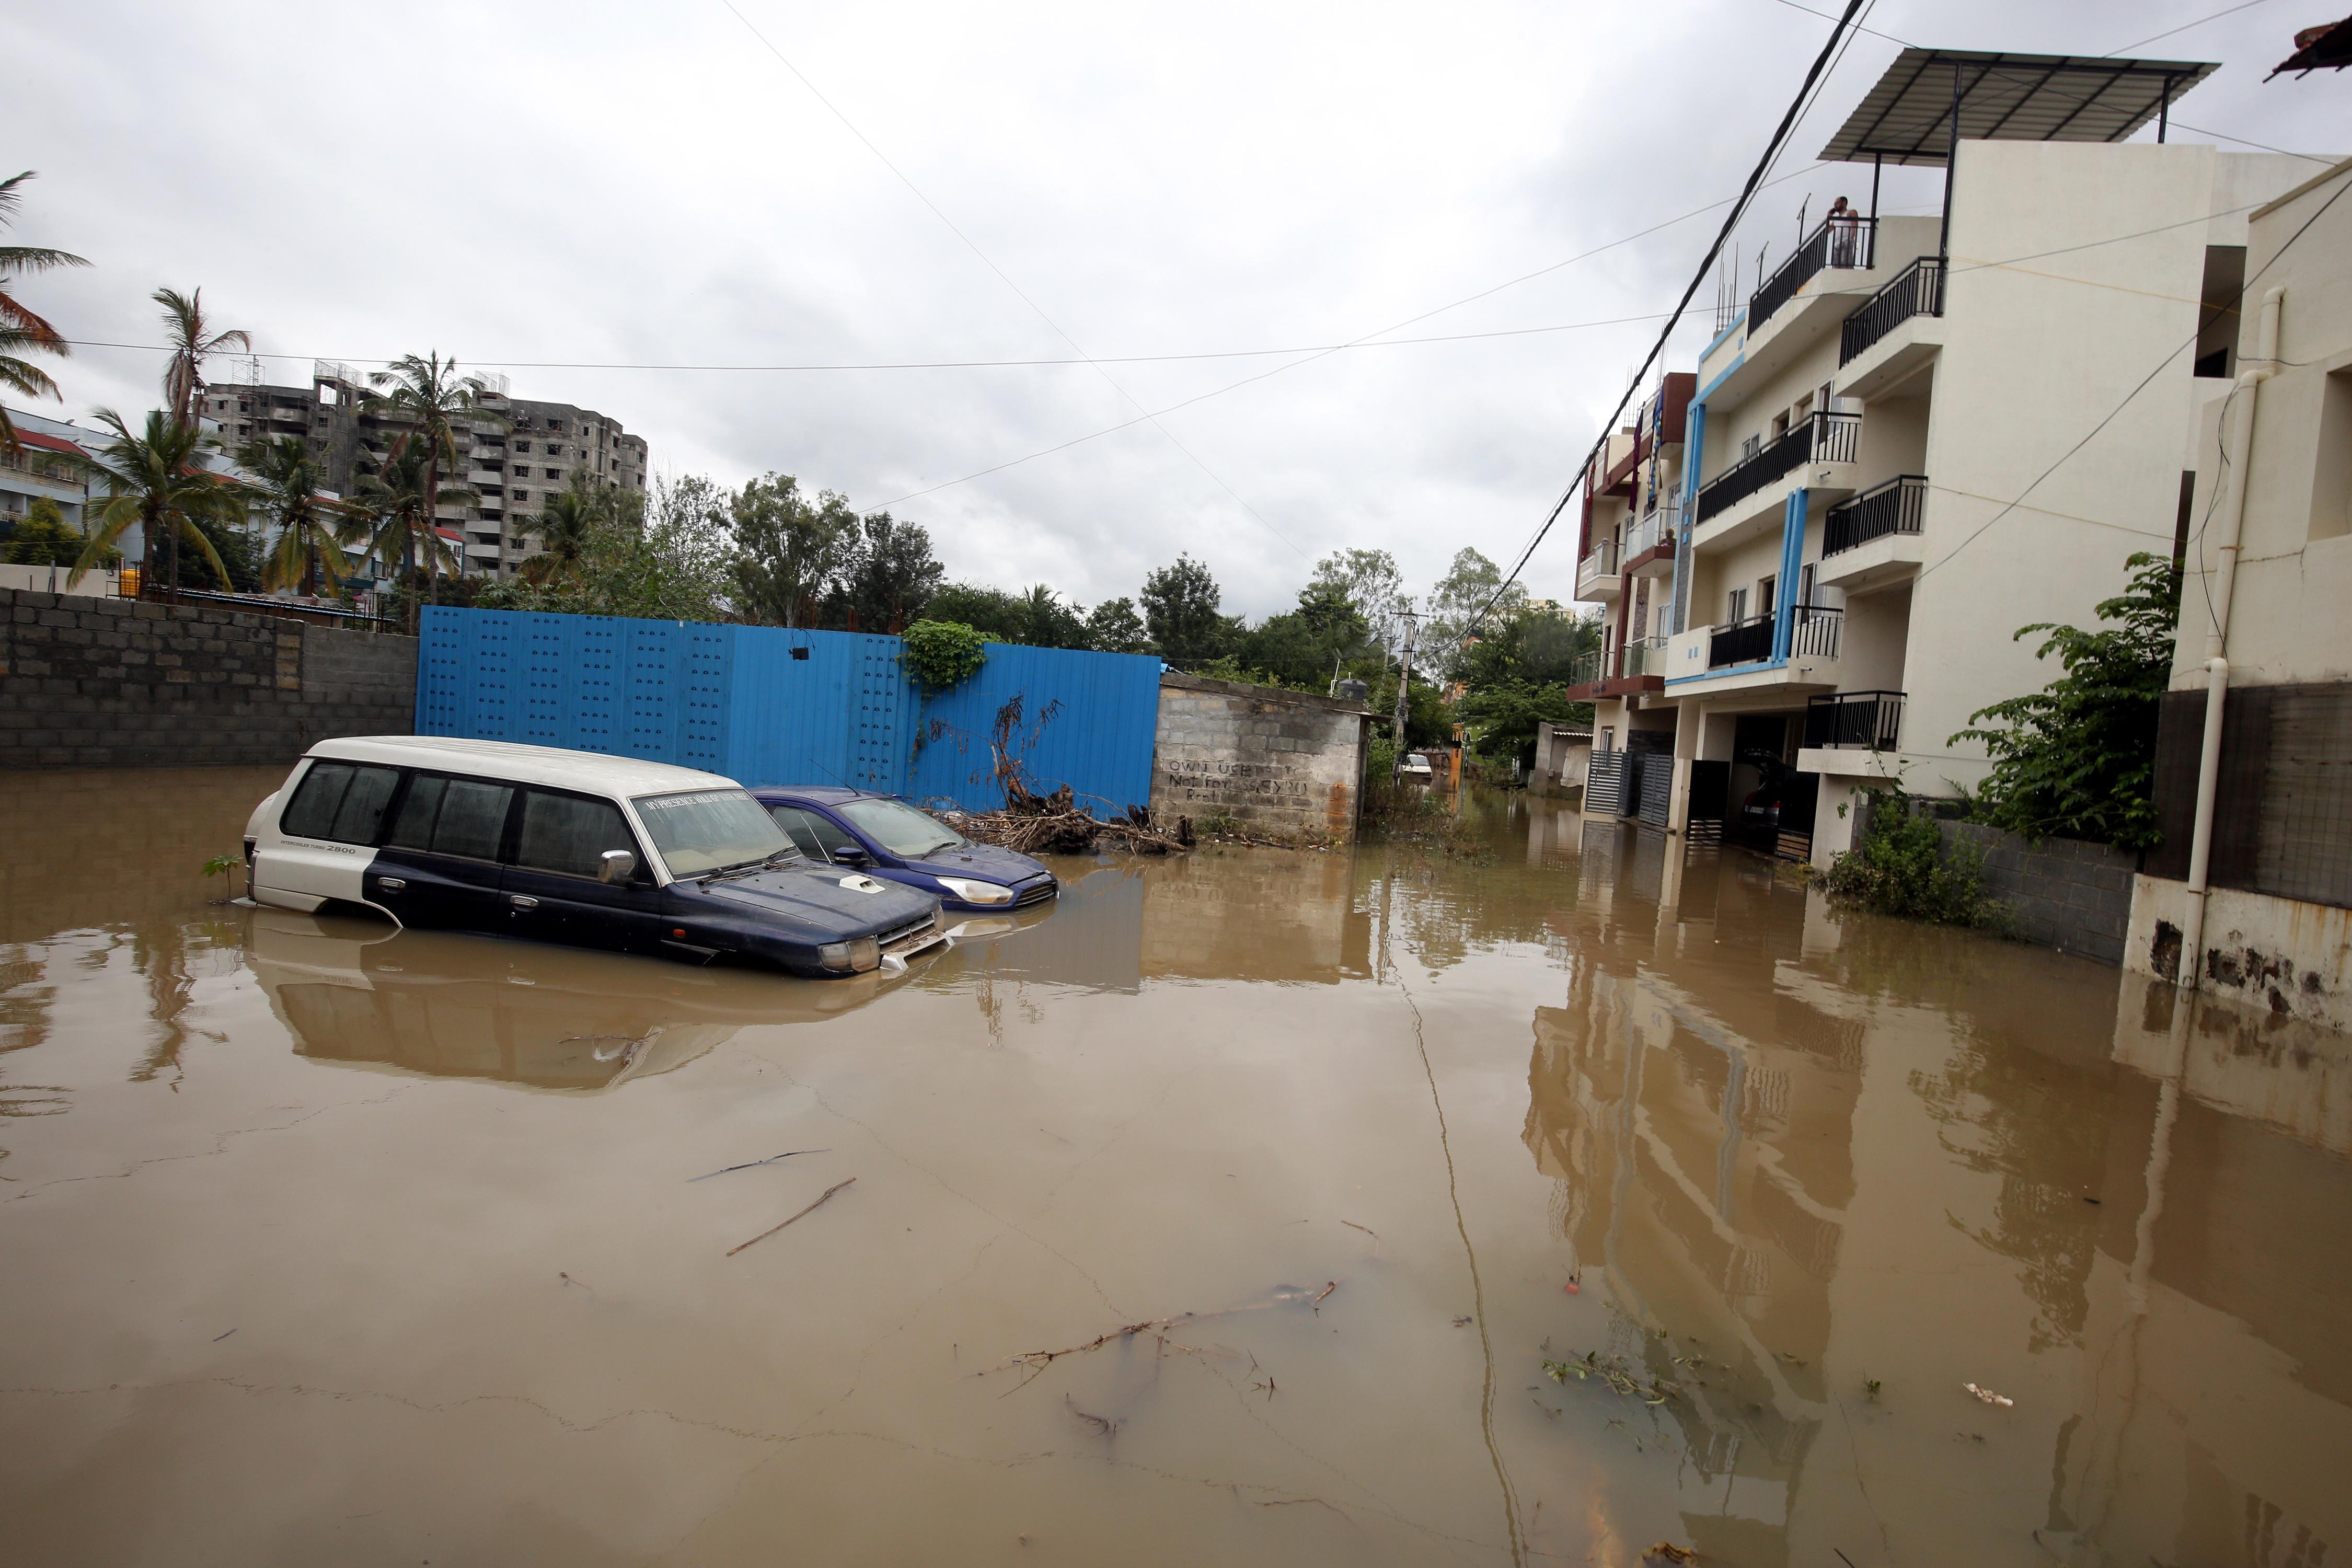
1731	221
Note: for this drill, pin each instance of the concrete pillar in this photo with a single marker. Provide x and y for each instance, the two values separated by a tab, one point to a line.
1687	729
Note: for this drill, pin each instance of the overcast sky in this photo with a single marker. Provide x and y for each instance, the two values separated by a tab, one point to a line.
655	186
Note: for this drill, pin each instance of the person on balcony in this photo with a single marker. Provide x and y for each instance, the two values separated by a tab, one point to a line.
1844	227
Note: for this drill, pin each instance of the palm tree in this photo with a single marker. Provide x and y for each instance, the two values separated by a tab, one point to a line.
22	331
436	403
405	531
566	524
312	527
193	342
157	479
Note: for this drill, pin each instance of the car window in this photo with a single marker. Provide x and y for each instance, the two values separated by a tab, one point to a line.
569	833
709	830
452	817
801	829
341	802
900	828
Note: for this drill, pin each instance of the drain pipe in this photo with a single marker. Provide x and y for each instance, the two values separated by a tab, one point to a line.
2238	436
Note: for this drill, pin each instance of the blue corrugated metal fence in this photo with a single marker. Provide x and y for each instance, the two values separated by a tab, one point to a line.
772	706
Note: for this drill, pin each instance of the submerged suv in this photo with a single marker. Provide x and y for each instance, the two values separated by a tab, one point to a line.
569	846
893	839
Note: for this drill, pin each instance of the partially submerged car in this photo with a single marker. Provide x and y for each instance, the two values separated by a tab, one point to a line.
1415	768
883	834
569	846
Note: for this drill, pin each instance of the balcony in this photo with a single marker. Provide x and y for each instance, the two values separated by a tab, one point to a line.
1916	290
1646	655
1649	543
1841	243
1596	574
1816	631
1898	506
1872	720
1825	438
1742	642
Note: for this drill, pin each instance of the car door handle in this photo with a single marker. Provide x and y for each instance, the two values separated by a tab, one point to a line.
391	884
521	902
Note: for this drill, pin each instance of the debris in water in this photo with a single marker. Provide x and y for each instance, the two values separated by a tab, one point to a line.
1667	1552
1987	1394
1613	1372
1462	1322
754	1165
1872	1387
802	1214
1327	1288
1155	1327
218	1338
1101	1423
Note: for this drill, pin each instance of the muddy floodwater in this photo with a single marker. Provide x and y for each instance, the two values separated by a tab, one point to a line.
1539	1206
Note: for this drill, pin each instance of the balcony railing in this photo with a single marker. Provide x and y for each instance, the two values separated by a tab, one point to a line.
1742	642
1916	290
1824	438
1840	242
1815	635
1601	563
1656	528
1646	655
1870	720
1898	506
1586	669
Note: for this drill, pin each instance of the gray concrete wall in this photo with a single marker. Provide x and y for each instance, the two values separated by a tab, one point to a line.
2072	895
1280	762
113	683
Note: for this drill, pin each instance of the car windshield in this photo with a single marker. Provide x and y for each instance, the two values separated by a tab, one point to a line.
901	829
711	831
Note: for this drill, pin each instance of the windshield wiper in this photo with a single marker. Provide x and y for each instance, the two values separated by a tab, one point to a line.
745	868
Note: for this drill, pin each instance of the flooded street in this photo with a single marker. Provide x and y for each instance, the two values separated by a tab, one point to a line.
325	1243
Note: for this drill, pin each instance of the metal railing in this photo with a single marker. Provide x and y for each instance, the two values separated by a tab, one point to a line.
1840	242
1645	655
1870	720
1586	669
134	582
1654	529
1815	634
1600	562
1898	506
1742	642
1916	290
1824	438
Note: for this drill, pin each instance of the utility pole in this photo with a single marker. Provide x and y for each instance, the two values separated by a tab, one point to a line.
1404	685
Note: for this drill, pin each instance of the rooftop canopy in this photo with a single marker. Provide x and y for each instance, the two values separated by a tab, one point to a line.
1907	117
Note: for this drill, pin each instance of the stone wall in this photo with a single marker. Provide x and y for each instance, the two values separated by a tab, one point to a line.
114	683
2067	894
1280	762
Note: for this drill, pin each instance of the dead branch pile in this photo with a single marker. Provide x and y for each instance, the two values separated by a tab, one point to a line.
1055	823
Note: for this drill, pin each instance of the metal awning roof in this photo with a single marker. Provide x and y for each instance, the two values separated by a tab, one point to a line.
1907	118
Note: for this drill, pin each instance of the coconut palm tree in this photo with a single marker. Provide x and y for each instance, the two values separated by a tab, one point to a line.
22	331
404	531
314	528
193	342
566	524
157	478
436	404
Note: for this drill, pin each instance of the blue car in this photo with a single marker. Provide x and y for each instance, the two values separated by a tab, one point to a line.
883	834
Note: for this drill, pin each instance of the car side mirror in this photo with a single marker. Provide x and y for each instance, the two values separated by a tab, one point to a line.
615	866
852	856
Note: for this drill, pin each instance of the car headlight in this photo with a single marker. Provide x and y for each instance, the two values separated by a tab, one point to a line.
855	956
973	892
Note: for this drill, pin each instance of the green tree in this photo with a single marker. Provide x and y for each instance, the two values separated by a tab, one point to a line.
405	535
1502	717
888	575
156	481
435	406
1113	627
566	522
1428	717
2077	759
1037	618
311	529
1179	606
1371	585
1468	586
42	538
192	340
789	549
21	331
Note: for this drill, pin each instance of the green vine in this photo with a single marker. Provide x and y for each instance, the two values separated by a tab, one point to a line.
942	655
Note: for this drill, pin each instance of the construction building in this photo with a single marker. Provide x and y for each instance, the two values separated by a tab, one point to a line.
513	465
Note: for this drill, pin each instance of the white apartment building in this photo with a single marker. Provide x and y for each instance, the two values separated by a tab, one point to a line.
1926	432
2250	895
44	469
512	469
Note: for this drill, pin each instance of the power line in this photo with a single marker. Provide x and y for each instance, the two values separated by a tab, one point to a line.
1006	279
2230	11
1771	153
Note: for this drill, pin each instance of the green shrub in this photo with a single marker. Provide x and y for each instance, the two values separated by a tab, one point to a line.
940	655
1900	868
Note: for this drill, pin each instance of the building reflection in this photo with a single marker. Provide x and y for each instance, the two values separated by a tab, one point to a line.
358	991
1834	1151
1259	915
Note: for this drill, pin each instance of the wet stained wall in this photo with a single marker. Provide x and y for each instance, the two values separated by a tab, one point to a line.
1286	763
327	1243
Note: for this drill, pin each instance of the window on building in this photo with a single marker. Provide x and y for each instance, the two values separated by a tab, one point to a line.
521	497
554	473
522	446
1805	584
2217	315
1736	608
1768	596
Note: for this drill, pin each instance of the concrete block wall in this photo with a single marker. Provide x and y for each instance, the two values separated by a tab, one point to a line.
1280	762
2067	894
104	683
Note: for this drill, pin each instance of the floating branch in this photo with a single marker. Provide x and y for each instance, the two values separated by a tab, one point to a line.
802	1214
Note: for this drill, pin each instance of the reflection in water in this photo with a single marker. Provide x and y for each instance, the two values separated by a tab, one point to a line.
1589	1094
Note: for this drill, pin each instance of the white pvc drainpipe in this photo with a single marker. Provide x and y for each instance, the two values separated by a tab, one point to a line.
2239	437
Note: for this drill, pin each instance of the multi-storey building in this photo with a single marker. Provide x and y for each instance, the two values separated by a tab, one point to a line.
2250	893
512	466
1926	432
47	467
